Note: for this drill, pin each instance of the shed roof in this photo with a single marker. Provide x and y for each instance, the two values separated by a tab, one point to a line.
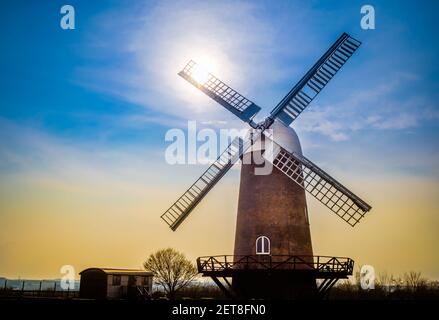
137	272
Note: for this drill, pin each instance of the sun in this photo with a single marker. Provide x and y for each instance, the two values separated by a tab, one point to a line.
200	74
204	66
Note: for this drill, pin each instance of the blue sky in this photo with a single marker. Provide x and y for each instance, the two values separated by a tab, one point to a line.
94	103
97	83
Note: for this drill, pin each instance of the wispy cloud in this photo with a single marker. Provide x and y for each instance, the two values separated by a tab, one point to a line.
239	47
31	153
400	121
318	121
378	107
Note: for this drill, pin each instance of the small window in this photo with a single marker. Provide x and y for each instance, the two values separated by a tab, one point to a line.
116	280
132	280
145	281
262	245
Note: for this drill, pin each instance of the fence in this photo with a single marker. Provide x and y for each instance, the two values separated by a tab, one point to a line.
33	288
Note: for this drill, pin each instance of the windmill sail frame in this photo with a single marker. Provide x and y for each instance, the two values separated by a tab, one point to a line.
307	89
229	98
319	184
181	208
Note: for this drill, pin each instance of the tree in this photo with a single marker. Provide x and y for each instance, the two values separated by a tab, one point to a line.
414	281
384	281
171	270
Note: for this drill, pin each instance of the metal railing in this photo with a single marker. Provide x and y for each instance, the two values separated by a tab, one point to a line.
318	264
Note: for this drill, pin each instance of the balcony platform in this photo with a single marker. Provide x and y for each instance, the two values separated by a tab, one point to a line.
325	268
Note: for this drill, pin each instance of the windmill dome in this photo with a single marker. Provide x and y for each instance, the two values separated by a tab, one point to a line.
286	137
283	135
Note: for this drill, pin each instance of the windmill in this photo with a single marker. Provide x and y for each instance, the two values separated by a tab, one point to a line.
273	254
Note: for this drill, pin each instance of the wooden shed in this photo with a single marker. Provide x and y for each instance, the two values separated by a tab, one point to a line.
106	283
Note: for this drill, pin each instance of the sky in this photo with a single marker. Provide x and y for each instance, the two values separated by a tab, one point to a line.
84	114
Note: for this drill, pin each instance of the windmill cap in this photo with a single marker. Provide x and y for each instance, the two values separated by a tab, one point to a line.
281	134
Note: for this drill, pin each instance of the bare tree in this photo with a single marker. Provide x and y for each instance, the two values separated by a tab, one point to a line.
384	280
433	284
171	270
414	280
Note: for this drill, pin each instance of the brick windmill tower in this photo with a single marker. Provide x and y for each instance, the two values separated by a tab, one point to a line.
273	256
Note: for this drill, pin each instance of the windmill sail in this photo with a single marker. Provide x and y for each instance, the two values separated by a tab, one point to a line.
315	79
220	92
319	184
175	215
